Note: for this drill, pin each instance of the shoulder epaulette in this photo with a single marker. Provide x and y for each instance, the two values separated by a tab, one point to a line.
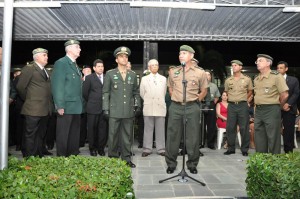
274	72
132	71
228	78
199	67
110	70
246	76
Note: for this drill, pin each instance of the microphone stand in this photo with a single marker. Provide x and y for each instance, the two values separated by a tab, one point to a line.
183	173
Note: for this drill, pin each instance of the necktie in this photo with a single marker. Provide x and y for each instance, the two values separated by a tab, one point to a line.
45	74
101	80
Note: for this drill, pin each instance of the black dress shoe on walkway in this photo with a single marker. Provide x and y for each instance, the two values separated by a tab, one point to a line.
229	152
200	153
47	153
193	170
145	154
162	154
212	147
170	170
101	153
245	153
93	153
130	164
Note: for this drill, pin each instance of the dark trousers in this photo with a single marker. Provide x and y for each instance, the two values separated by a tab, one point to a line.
238	114
96	132
210	123
83	129
120	128
67	134
51	129
34	133
175	132
140	123
288	122
267	123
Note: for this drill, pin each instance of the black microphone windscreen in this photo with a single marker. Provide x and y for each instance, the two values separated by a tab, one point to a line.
182	63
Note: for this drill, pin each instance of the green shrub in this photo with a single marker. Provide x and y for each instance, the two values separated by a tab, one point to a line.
72	177
273	176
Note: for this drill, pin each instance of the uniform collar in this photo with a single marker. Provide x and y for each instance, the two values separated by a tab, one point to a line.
265	75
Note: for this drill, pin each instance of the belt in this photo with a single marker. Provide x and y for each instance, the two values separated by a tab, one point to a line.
264	105
239	102
186	103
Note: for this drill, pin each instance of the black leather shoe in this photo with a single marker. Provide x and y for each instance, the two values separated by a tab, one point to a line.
93	153
212	147
130	164
229	152
50	146
47	153
200	153
170	170
145	154
18	148
245	153
162	154
193	170
101	153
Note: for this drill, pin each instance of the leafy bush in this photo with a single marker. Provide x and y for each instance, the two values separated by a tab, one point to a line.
72	177
273	176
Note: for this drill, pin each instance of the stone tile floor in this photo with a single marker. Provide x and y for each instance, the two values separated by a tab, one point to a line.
224	176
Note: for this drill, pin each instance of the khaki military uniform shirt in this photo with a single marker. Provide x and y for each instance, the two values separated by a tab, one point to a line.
237	90
196	80
267	88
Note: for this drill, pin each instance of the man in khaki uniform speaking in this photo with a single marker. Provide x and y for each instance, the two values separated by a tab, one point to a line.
271	93
196	90
121	102
238	88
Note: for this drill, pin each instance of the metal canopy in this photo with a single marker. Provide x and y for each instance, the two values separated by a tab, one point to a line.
232	20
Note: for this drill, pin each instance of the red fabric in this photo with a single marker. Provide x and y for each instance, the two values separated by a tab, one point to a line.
223	112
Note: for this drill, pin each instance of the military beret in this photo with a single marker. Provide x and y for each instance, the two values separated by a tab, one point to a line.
122	50
238	62
16	69
265	56
187	48
71	42
39	50
195	60
86	66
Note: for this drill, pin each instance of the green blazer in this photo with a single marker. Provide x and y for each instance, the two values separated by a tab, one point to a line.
120	97
34	88
66	84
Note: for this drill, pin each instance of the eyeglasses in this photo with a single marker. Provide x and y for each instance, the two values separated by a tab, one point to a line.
260	60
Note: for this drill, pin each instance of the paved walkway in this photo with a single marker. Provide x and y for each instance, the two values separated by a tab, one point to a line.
224	176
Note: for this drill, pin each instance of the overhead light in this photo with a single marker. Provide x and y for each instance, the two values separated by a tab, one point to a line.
35	4
291	9
155	4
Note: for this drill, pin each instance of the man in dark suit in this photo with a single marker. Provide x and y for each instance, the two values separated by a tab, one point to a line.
92	93
289	109
120	97
66	84
34	88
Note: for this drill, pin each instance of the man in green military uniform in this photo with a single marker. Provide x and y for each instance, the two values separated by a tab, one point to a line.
239	88
121	102
66	84
196	89
270	94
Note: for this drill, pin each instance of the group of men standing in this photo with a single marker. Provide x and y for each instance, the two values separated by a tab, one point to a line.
116	98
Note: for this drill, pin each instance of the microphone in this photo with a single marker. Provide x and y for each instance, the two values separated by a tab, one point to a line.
183	64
